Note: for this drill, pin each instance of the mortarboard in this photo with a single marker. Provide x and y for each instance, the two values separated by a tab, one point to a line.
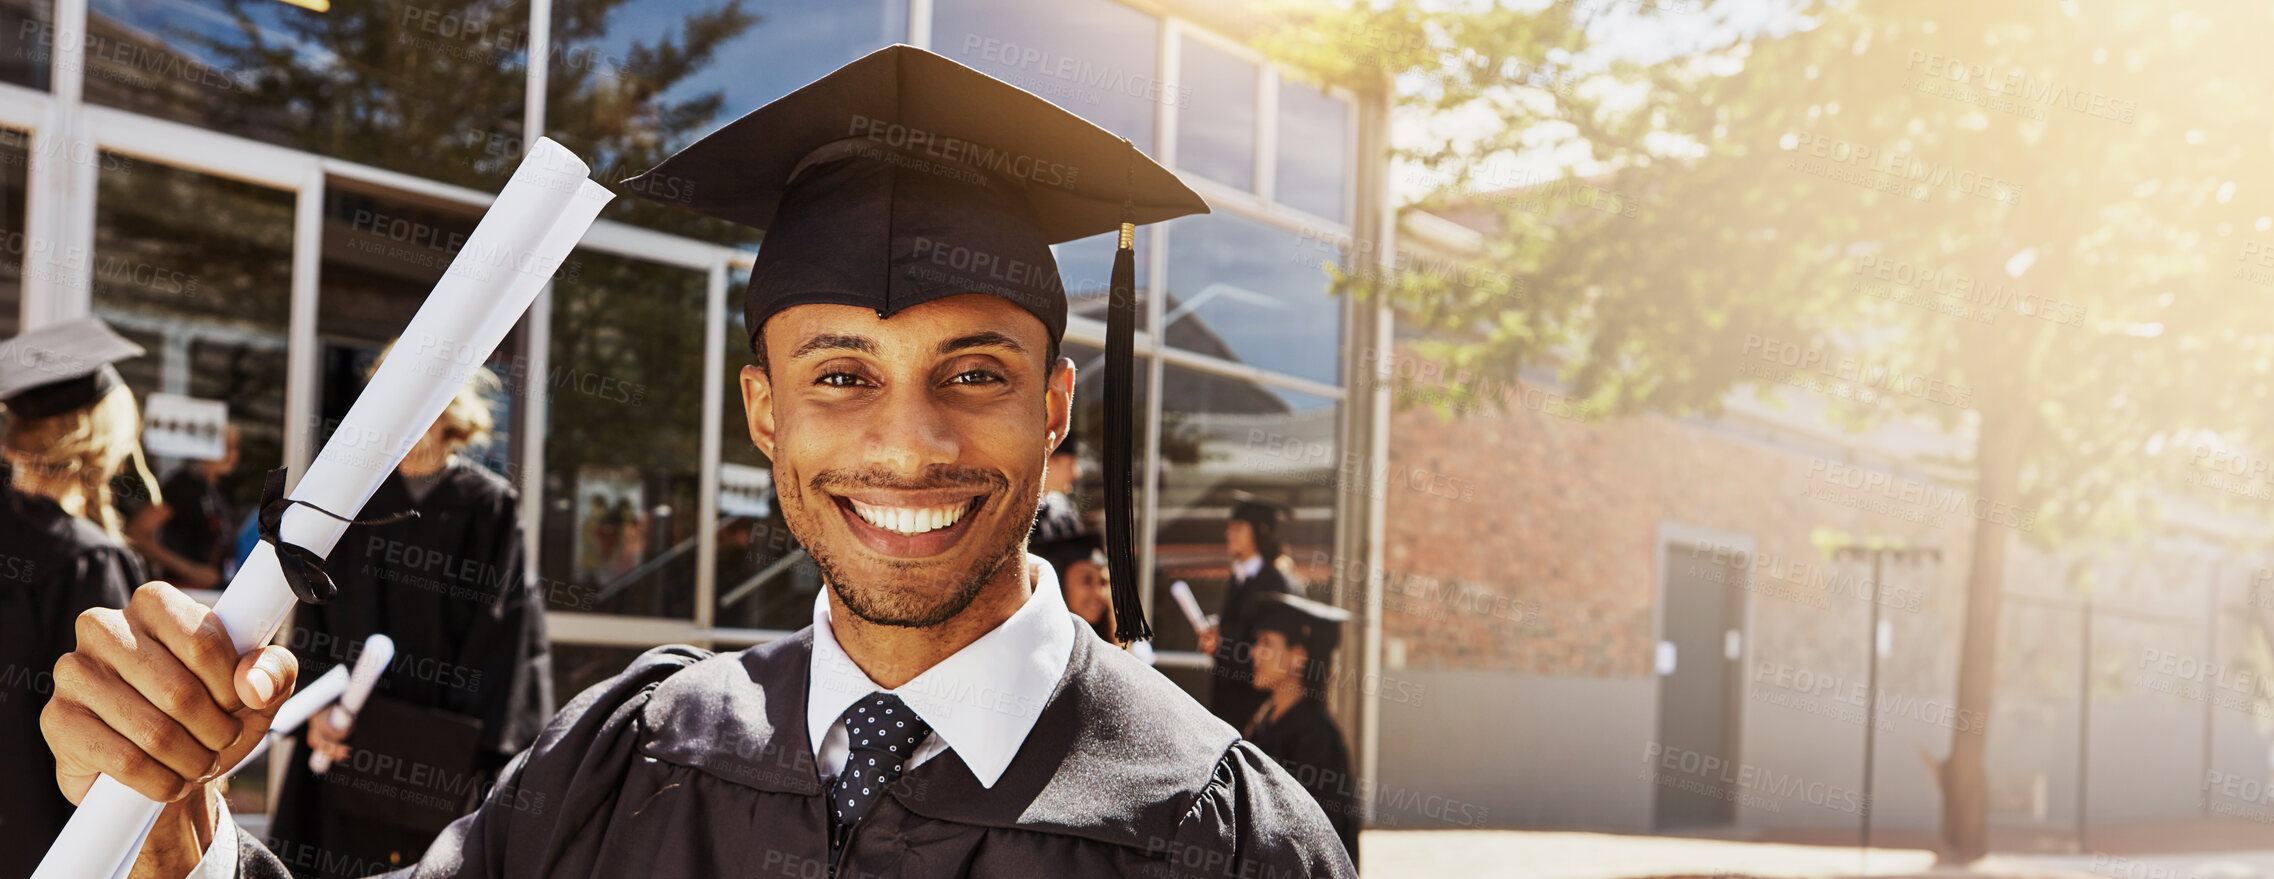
905	177
1257	511
1312	625
61	367
1063	552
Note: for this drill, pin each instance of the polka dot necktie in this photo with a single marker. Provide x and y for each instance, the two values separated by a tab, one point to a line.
881	733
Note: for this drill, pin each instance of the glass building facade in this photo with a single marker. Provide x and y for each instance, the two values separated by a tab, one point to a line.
261	192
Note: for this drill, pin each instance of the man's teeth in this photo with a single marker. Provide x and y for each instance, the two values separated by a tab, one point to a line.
908	520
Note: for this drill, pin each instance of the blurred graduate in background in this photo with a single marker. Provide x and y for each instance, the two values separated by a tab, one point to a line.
71	426
1294	662
471	680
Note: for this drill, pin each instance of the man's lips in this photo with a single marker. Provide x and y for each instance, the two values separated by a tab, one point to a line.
937	519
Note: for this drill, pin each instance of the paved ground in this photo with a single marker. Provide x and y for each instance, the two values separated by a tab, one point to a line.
2181	852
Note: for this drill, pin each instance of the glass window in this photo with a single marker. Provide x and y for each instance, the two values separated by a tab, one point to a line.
632	81
14	163
383	253
1093	57
765	579
1249	291
27	34
1085	267
1220	435
622	427
433	88
1215	130
198	270
1089	431
1314	150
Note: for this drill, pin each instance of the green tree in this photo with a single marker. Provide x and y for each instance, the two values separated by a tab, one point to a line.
2059	196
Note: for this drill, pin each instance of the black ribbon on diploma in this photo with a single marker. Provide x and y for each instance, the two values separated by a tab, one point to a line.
303	568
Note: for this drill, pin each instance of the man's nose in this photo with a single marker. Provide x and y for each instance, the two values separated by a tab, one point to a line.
912	433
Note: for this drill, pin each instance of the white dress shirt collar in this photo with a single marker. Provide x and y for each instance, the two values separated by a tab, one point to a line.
982	701
1246	569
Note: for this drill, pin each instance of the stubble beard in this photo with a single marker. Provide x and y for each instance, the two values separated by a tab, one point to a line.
880	602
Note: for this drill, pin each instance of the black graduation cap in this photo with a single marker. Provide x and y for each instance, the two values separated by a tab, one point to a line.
61	367
1258	511
1312	625
1063	552
905	177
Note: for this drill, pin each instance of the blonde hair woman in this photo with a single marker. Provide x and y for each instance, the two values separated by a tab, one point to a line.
71	426
471	681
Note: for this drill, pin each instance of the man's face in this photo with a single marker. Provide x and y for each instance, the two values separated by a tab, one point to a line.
908	452
1276	662
1239	538
1088	594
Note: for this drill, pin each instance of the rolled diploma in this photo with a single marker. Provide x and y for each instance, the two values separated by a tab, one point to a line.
1184	599
537	219
378	650
303	705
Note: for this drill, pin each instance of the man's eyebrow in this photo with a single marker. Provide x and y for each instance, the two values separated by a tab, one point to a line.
834	341
984	339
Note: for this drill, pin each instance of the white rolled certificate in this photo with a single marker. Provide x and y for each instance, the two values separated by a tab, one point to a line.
537	219
304	704
1191	606
378	650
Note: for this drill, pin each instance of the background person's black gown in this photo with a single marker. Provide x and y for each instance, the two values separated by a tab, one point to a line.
697	765
1232	695
454	592
1307	742
52	566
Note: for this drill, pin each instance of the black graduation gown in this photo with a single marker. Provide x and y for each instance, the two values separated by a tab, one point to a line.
1232	695
696	765
52	566
453	590
1307	741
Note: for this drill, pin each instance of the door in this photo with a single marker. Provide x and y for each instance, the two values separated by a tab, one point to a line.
1695	771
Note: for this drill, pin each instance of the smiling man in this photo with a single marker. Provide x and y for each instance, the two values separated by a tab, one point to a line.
945	715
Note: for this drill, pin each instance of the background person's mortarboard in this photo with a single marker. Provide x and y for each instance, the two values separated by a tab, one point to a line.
1312	625
1258	511
1065	551
905	177
61	367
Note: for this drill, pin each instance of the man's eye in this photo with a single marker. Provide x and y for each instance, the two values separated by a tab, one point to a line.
977	377
839	380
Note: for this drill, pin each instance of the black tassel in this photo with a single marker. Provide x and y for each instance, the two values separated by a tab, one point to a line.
1120	440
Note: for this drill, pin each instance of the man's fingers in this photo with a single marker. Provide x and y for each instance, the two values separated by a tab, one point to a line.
97	749
193	632
121	647
265	678
130	714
